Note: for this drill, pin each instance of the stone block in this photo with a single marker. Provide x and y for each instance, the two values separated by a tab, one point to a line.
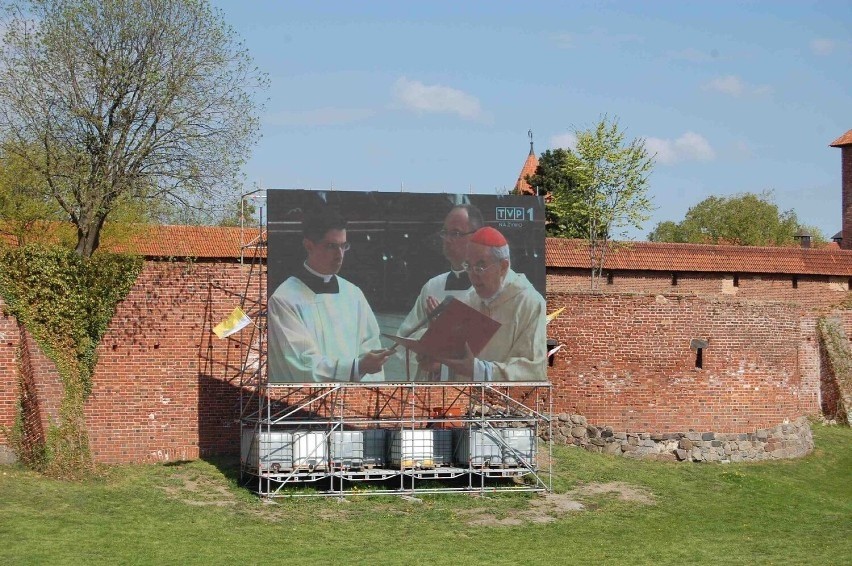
708	436
578	431
564	417
681	454
685	444
7	456
693	436
612	448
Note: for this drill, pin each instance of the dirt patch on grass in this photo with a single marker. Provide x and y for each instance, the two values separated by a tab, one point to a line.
624	491
199	491
551	507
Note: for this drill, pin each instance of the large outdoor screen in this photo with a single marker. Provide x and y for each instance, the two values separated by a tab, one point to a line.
377	287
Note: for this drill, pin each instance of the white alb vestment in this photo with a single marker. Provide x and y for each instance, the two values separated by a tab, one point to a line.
450	284
317	337
518	351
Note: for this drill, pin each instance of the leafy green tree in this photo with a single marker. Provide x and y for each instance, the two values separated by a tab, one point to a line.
24	208
111	101
554	173
608	188
746	219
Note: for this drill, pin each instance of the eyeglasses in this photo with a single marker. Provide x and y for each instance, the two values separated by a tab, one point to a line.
454	234
478	269
331	246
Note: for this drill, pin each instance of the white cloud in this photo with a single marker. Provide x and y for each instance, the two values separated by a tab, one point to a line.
734	86
823	46
688	147
729	84
563	41
318	116
438	99
565	141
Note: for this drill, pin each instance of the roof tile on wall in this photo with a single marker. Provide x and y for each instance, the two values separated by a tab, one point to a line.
651	256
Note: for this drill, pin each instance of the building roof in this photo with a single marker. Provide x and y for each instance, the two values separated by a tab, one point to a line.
199	242
845	139
530	165
705	258
216	242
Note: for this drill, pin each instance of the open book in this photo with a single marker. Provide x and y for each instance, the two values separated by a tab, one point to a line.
456	324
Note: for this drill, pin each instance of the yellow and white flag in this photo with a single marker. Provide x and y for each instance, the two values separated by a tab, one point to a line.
554	314
235	322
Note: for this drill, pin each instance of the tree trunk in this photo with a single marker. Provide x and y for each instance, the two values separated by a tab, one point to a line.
89	236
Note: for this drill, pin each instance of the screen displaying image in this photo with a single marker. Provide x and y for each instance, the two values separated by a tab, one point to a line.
401	287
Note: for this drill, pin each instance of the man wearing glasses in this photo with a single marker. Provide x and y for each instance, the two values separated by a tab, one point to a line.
321	328
517	352
460	223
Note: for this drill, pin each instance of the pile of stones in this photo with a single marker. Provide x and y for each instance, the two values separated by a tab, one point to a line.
787	440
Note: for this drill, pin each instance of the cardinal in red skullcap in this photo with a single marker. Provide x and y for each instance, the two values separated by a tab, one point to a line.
518	351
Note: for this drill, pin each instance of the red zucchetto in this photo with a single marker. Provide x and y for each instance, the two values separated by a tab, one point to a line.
488	236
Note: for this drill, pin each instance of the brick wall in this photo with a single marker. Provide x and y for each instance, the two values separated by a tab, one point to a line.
811	291
9	340
166	388
627	362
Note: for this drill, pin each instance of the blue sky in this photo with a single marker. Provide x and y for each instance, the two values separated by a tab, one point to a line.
439	96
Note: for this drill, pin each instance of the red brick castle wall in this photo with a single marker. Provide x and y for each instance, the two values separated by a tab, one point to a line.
166	388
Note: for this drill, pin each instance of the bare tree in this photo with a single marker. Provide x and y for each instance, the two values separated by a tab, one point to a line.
111	101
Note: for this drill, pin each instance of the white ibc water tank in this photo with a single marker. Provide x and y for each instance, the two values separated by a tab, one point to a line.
266	450
347	449
412	448
480	447
310	450
519	446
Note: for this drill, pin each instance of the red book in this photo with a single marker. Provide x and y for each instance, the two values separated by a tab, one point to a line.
456	324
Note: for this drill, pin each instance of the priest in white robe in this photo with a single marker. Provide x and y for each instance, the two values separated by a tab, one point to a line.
518	351
461	221
321	327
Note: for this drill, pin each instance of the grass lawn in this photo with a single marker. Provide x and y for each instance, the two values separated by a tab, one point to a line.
792	512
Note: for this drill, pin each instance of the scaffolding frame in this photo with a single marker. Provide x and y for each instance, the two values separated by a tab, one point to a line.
490	407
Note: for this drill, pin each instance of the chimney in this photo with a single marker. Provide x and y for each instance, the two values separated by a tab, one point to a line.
804	238
844	142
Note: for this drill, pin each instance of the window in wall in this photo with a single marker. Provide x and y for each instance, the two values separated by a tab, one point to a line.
795	282
699	345
609	278
736	280
674	279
